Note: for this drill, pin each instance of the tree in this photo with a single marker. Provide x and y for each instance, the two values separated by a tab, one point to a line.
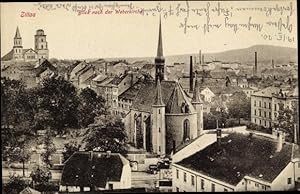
58	99
70	148
15	185
107	133
286	119
239	106
90	106
49	148
40	176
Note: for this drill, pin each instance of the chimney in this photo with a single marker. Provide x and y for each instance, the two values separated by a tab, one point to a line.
280	141
255	63
200	61
105	68
191	73
90	155
108	153
272	63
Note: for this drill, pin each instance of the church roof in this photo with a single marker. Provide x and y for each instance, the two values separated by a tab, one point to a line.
160	46
17	35
178	101
8	56
145	97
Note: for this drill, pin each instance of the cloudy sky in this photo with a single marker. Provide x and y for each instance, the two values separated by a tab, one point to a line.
135	35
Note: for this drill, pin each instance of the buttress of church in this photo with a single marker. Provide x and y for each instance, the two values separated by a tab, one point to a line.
162	116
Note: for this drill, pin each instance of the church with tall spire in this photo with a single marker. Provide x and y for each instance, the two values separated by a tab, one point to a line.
163	116
18	54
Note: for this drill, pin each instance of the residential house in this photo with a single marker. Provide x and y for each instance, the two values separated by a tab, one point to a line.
95	171
258	163
265	104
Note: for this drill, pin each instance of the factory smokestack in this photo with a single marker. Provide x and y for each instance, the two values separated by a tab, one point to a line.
191	73
255	63
200	61
272	63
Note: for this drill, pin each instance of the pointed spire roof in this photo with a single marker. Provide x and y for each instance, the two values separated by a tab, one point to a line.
196	95
160	46
158	97
17	33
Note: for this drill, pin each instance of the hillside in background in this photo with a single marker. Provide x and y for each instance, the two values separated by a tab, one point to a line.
265	53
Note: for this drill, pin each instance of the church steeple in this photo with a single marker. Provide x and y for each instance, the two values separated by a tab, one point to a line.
17	35
159	59
158	97
160	46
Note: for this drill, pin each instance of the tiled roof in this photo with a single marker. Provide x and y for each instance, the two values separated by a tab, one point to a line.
239	156
131	92
146	95
8	56
78	169
43	66
117	79
100	78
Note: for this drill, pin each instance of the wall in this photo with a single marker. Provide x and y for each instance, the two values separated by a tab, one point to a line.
281	181
189	187
174	127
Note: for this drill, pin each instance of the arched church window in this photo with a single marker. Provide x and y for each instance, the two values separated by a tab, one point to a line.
186	130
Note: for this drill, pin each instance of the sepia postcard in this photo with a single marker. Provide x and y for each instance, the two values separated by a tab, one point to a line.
149	96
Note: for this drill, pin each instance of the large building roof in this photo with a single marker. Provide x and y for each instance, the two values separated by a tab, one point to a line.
80	170
240	155
146	96
267	92
8	56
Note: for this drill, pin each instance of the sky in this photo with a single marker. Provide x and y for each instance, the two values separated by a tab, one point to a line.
71	36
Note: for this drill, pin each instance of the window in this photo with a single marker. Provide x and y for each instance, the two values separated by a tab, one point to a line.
265	123
158	111
263	187
159	129
213	187
259	103
159	148
42	46
186	130
254	103
270	115
177	189
110	186
225	190
256	185
265	104
202	184
255	112
265	114
289	180
177	173
184	177
193	180
260	113
270	105
260	122
275	107
254	120
299	165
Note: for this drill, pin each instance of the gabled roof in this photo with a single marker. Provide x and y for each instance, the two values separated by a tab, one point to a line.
118	79
267	92
44	66
80	170
240	155
26	50
29	190
8	56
